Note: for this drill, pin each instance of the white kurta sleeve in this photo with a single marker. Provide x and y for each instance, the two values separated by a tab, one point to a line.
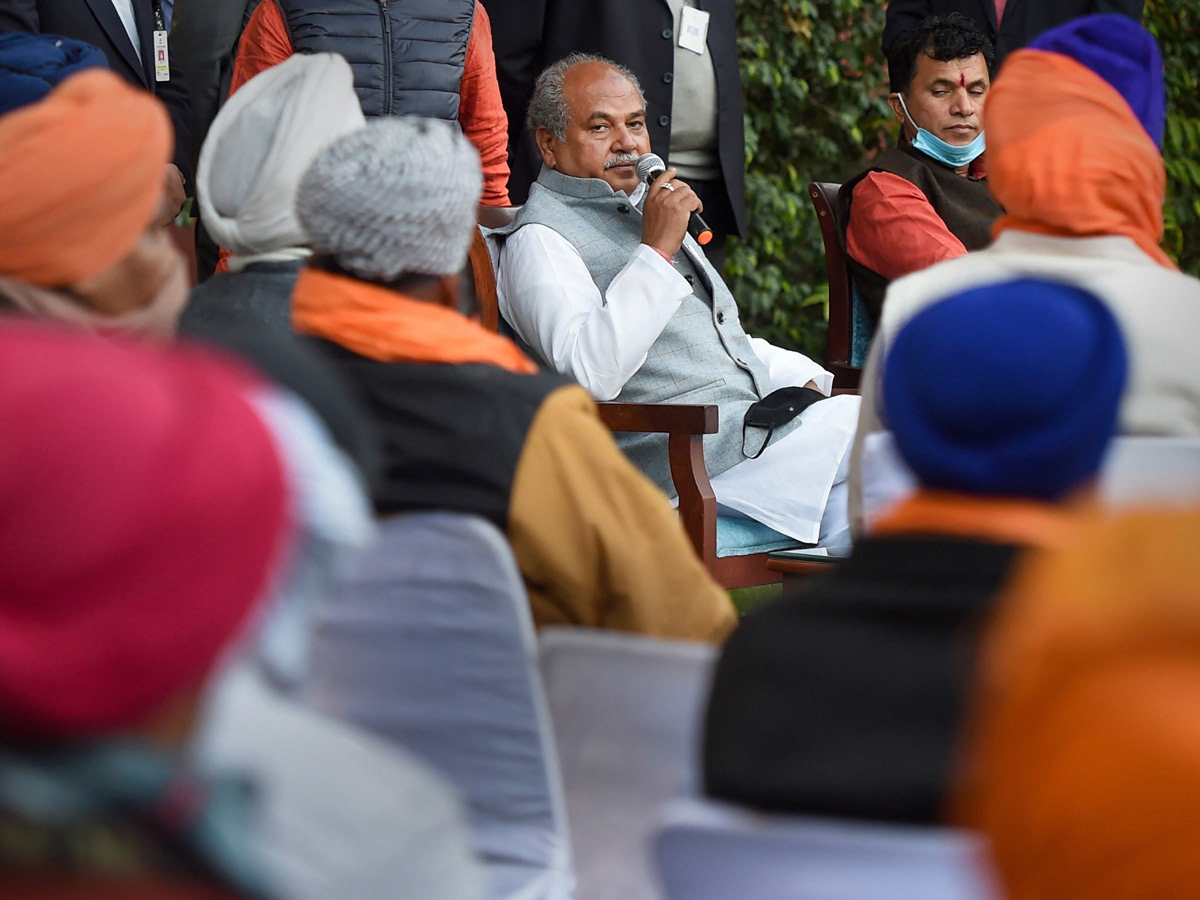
548	296
788	368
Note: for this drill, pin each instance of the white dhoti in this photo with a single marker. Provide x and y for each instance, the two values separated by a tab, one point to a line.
797	485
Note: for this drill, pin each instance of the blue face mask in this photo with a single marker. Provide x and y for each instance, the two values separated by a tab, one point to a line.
947	154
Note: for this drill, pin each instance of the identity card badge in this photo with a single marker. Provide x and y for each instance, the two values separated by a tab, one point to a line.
162	62
693	29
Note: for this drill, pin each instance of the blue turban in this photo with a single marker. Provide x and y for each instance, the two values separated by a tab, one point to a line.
1121	52
31	65
1010	389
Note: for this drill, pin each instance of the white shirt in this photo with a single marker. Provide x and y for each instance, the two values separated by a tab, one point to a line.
124	9
547	295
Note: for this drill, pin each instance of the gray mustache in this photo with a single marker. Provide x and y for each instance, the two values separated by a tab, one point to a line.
621	159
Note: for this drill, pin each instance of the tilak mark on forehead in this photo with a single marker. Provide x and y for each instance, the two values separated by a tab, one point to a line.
962	80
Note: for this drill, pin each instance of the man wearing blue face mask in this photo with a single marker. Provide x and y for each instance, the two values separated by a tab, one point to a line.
924	200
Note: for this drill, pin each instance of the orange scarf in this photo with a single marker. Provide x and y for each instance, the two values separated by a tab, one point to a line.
383	325
1067	156
1004	519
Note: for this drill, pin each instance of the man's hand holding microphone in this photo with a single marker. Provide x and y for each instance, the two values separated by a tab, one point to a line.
670	210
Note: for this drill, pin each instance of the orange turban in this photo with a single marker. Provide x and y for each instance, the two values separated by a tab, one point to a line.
81	175
1067	155
1083	766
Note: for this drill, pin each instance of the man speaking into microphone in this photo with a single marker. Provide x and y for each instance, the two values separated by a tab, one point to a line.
600	279
649	168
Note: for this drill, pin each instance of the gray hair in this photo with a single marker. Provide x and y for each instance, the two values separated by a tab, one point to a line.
548	109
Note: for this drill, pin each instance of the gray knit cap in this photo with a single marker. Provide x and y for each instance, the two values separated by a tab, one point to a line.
397	197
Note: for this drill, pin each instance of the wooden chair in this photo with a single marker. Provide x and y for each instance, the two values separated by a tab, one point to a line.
684	426
839	340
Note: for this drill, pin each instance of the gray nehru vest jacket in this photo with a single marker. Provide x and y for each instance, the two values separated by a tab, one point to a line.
407	56
701	356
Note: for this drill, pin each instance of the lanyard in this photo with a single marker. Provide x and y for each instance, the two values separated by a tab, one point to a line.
162	62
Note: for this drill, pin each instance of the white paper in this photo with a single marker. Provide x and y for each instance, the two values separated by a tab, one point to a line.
693	29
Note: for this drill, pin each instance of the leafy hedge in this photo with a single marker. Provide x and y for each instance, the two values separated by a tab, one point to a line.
815	90
1176	24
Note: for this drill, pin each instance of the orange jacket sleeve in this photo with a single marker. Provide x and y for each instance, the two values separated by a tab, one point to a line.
481	113
894	230
263	44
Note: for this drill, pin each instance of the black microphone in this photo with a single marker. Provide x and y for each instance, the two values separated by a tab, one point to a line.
648	167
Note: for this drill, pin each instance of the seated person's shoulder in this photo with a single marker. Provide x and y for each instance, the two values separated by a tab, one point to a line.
878	187
567	413
894	230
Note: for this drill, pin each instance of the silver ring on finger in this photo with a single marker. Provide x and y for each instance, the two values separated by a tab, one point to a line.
668	186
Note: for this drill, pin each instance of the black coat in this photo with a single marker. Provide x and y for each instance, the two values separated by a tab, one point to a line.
1023	19
528	35
96	22
846	699
204	37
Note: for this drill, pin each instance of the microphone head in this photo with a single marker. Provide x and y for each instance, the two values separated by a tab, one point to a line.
649	166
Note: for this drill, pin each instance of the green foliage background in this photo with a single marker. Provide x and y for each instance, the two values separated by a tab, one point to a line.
1176	24
815	90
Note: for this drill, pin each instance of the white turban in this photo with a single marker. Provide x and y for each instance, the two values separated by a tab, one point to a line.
261	143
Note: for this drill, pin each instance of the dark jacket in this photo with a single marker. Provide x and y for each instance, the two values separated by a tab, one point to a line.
97	23
528	35
463	461
204	37
1023	20
259	296
408	56
962	202
846	699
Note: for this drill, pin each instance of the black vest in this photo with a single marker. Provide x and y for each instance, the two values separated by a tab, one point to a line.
407	55
964	204
848	699
452	435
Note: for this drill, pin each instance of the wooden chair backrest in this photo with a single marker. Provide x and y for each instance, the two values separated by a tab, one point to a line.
482	270
838	341
480	265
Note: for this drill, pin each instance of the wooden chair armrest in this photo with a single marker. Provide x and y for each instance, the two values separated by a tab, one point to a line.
685	427
846	378
660	418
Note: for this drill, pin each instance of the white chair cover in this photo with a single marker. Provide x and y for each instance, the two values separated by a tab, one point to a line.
1151	470
431	644
886	477
711	851
626	712
1138	470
